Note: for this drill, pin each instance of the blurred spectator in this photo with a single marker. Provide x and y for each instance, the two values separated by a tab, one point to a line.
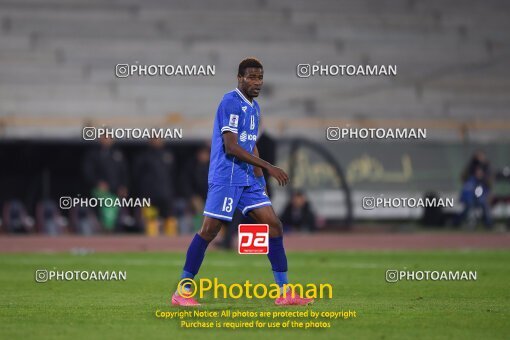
105	171
195	174
16	219
476	189
298	214
48	218
84	221
478	161
433	216
154	173
195	184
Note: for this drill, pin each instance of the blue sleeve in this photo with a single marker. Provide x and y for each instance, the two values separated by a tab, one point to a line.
257	107
229	114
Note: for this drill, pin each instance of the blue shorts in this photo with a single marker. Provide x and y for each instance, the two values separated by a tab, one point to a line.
222	200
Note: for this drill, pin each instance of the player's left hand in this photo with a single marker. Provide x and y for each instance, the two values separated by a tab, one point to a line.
280	175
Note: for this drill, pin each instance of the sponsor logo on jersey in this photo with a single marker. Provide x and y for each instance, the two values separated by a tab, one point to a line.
247	136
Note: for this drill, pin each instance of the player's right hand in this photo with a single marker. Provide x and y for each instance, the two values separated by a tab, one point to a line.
278	174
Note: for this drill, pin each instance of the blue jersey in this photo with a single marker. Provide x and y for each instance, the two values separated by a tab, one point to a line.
235	114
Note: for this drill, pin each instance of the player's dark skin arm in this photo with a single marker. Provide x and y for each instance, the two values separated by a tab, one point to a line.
257	170
234	149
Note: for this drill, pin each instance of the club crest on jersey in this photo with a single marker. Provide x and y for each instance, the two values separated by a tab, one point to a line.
252	122
234	120
244	108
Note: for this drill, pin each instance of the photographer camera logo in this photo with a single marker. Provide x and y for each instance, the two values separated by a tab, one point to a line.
41	276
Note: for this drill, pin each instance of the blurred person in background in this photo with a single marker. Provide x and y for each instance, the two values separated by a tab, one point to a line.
433	216
153	174
16	219
478	160
84	221
195	183
298	214
476	187
196	171
49	219
105	171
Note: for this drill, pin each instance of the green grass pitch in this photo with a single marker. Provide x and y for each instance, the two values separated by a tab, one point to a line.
126	309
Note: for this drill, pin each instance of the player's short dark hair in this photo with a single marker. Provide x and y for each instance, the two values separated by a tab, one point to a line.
247	63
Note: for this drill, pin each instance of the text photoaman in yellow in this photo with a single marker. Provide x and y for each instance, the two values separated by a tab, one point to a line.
251	291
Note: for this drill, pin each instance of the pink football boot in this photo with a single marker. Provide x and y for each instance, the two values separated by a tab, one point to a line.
178	300
289	300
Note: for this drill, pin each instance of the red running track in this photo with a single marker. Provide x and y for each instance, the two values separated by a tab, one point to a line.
293	242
